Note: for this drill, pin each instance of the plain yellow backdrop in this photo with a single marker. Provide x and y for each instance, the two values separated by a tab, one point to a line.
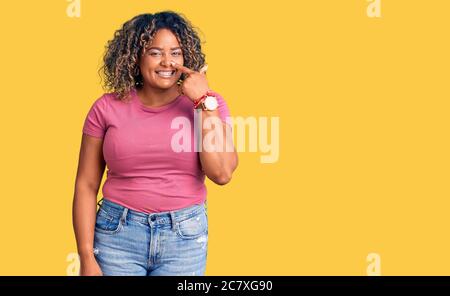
364	147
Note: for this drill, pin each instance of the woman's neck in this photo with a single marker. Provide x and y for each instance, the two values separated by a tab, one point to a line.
154	97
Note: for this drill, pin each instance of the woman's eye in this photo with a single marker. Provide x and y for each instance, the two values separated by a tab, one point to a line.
155	53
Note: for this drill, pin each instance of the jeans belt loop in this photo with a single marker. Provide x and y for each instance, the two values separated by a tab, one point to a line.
172	218
124	215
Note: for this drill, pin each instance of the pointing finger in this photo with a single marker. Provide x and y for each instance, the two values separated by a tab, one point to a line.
182	68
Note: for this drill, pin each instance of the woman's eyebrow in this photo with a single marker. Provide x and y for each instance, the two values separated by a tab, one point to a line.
159	48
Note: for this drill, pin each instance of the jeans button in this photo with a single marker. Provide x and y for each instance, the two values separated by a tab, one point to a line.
153	218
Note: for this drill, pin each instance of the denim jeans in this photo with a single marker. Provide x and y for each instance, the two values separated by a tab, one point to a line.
128	242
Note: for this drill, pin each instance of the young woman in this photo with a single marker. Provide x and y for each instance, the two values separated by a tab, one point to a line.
153	215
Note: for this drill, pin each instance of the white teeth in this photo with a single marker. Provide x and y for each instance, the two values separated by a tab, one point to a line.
165	73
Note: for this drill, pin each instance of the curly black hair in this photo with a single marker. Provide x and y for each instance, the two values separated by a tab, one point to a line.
122	53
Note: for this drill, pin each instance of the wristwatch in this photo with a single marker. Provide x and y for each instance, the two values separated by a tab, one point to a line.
210	103
207	102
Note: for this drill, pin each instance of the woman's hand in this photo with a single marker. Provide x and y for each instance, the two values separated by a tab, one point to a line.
196	84
90	267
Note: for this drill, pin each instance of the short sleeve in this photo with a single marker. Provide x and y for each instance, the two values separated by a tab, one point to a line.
224	111
95	122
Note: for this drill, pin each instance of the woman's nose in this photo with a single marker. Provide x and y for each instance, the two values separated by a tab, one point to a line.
165	61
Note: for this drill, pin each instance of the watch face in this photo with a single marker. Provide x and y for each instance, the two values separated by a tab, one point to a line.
211	103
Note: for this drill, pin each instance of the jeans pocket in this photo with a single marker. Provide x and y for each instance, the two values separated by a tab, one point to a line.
193	226
107	224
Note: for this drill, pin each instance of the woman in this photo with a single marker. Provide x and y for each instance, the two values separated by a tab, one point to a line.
153	216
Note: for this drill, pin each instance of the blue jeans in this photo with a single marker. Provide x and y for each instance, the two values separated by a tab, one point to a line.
128	242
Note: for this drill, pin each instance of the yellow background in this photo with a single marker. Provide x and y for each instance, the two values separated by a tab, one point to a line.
364	148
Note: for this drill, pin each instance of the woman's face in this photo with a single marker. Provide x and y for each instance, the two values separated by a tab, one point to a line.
155	62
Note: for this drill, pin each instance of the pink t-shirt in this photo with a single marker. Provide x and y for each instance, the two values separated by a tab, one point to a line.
144	172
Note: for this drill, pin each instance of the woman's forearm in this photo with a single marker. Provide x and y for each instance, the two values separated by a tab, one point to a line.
218	159
84	215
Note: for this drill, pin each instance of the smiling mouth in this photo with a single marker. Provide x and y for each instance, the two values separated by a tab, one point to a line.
165	73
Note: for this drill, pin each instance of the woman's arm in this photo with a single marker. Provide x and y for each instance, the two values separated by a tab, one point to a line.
218	163
90	171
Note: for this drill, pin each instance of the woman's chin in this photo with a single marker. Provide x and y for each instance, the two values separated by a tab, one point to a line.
163	84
